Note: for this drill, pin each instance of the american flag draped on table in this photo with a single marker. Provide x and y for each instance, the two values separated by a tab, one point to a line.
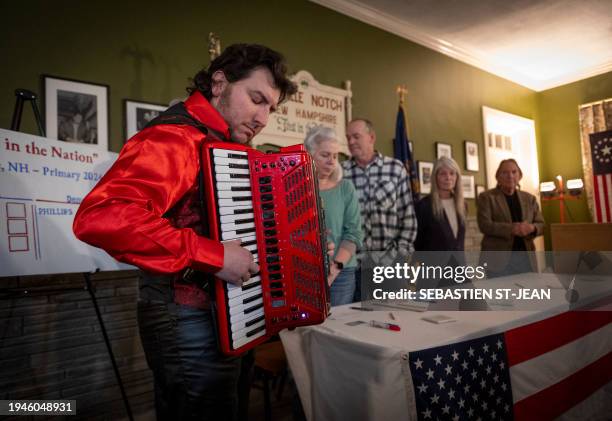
601	157
534	372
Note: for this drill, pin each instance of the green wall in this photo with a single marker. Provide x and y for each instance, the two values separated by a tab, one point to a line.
148	50
559	132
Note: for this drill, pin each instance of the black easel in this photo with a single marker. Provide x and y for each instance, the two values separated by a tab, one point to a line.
22	96
92	294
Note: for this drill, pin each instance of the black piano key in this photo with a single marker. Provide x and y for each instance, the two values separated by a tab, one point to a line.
244	221
242	199
245	230
251	299
241	188
239	166
251	286
248	243
255	331
241	211
253	308
238	156
240	176
255	320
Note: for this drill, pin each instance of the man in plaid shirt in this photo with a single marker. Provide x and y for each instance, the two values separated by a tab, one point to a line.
385	198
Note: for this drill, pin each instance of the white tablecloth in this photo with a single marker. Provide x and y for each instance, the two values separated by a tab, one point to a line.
361	373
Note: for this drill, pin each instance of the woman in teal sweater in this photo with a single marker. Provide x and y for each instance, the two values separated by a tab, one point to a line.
342	215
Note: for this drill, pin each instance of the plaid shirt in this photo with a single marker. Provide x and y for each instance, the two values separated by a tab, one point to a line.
387	212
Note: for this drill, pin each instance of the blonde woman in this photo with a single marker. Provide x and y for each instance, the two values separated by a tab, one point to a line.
342	215
441	215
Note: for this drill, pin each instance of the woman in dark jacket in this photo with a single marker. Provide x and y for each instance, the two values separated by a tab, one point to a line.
441	215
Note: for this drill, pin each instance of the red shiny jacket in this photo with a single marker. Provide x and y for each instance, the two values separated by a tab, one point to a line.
143	211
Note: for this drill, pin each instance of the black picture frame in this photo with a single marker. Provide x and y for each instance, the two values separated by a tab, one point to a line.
137	114
472	161
443	149
76	111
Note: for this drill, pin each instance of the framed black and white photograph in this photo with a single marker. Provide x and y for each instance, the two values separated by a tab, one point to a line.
471	156
76	111
425	170
138	114
443	149
469	188
479	189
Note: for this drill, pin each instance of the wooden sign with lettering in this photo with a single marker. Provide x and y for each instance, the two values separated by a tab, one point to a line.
312	105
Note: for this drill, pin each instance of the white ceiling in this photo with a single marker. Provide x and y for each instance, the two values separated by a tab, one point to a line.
539	44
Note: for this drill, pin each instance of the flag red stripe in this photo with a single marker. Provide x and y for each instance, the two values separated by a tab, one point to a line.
596	196
553	401
529	341
604	186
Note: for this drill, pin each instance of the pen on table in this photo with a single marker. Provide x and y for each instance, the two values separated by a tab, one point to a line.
388	326
361	308
391	316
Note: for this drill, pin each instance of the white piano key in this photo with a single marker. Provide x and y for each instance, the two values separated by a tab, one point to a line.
225	194
241	333
231	210
231	218
235	327
232	235
238	299
231	202
227	185
219	160
245	340
225	169
242	308
226	152
234	227
230	177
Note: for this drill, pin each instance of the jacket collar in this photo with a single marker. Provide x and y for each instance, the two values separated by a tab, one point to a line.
201	110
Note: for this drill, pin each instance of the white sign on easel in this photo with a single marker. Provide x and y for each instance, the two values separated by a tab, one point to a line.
313	104
42	182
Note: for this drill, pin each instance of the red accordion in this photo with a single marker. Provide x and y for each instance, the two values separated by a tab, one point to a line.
271	203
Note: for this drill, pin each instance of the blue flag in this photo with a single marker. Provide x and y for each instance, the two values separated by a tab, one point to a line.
404	154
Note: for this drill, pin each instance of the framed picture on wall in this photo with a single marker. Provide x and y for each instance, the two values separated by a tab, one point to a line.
469	189
479	189
76	111
138	114
471	156
443	149
425	170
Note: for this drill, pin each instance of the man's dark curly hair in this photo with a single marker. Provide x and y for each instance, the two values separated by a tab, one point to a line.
237	61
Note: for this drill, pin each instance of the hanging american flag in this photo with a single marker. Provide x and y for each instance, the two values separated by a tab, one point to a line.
539	371
601	157
401	146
